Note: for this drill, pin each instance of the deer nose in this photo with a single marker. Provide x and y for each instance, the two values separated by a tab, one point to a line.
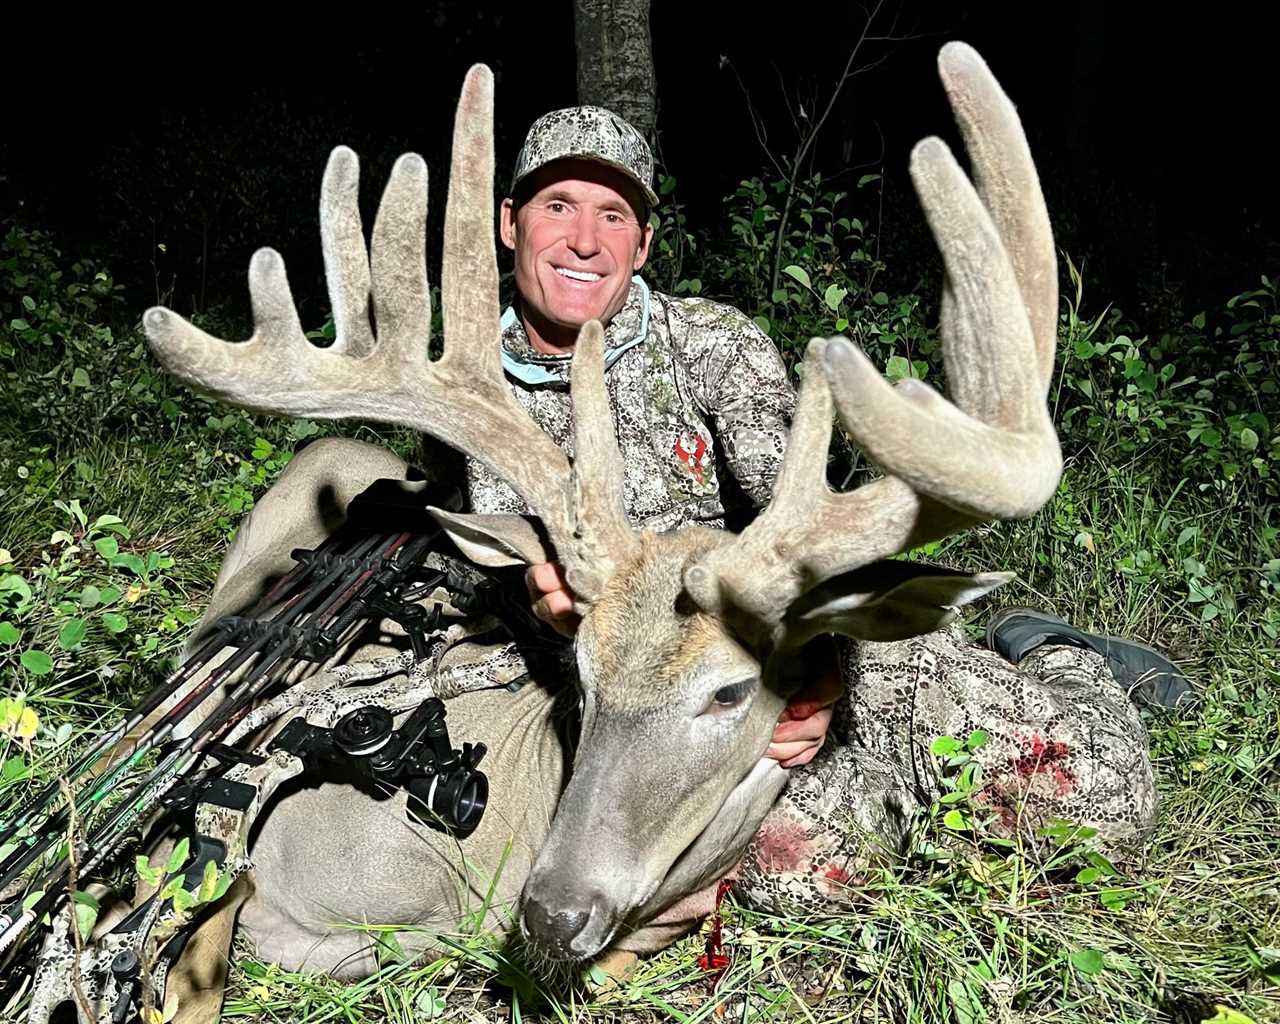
554	930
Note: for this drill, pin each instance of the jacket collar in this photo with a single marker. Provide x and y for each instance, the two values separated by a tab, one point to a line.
628	328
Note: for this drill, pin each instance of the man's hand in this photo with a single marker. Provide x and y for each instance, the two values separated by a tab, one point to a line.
552	599
798	736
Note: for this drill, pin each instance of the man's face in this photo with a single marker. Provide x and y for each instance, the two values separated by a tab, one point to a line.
578	238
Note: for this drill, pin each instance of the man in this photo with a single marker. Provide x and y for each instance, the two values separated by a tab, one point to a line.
700	395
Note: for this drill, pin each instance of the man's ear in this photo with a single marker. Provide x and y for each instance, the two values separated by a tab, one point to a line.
887	600
496	540
642	254
507	222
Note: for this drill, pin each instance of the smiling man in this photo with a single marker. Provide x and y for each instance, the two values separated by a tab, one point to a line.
700	396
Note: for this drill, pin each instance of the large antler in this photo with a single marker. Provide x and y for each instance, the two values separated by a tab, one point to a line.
992	455
462	398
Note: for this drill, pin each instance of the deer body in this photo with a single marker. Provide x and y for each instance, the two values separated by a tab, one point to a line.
691	641
328	855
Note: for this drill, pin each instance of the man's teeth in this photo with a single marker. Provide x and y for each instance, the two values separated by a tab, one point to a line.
577	275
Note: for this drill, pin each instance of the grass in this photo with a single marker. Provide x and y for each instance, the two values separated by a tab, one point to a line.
1153	537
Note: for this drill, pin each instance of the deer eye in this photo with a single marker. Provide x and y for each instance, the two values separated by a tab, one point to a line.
728	696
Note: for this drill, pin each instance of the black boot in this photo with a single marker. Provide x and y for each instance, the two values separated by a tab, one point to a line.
1151	678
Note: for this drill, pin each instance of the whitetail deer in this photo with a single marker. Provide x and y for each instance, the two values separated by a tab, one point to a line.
688	642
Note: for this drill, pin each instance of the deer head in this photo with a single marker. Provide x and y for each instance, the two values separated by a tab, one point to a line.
691	641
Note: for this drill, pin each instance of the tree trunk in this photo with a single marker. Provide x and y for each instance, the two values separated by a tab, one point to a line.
615	59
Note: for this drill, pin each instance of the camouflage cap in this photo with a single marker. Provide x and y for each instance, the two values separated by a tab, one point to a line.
587	133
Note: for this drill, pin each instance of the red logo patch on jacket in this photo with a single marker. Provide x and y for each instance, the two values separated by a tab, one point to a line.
692	459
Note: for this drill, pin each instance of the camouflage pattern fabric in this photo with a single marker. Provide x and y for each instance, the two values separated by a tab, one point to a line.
587	133
701	409
1064	742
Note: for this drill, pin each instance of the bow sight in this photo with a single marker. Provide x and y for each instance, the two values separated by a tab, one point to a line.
445	789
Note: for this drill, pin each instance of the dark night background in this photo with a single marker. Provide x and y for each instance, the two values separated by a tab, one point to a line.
204	130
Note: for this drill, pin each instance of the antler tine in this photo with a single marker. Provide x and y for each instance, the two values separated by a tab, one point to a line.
1006	180
603	536
400	285
469	282
346	262
261	374
994	456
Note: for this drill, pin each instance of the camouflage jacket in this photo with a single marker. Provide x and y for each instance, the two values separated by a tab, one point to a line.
701	406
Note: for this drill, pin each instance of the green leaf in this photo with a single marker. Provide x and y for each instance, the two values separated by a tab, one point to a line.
179	855
107	547
90	596
32	899
18	324
148	874
880	299
15	584
36	662
131	562
224	883
976	741
114	622
897	368
430	1004
80	378
944	746
1086	875
86	913
109	595
208	882
833	296
965	1003
389	947
28	303
1087	961
1248	439
71	634
867	179
1226	1015
763	323
956	819
799	273
8	634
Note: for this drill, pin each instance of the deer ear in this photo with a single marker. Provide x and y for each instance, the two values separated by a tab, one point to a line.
887	600
496	540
